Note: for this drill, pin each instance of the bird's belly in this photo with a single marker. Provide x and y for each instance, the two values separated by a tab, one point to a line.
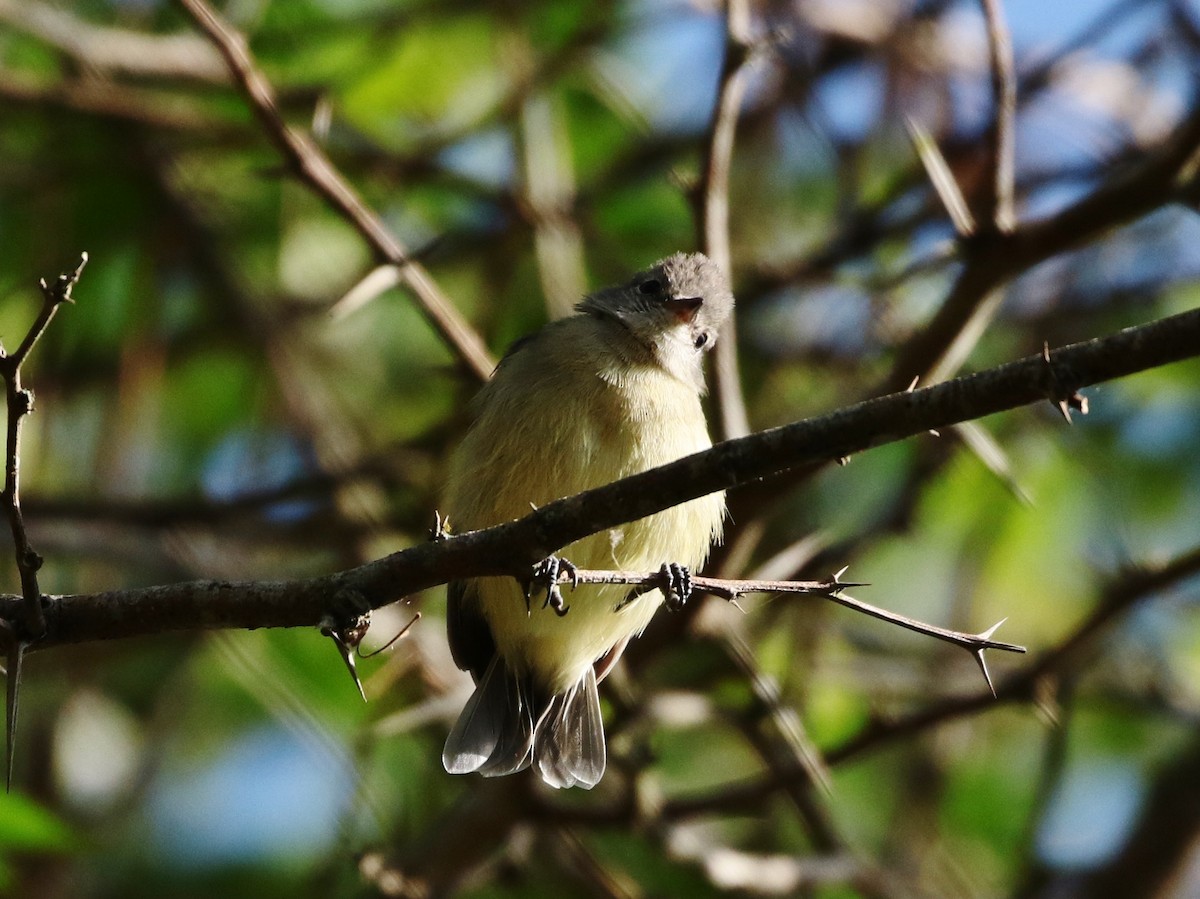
625	427
558	649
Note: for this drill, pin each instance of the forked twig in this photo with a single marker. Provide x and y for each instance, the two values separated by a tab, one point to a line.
17	636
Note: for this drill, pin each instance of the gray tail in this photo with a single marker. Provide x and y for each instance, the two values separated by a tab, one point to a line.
507	726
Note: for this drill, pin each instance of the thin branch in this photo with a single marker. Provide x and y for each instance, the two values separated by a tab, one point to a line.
998	211
19	403
1122	595
1021	686
831	589
713	192
993	259
513	547
309	162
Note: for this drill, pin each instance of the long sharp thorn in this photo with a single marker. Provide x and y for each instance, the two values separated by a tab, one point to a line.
987	635
16	658
347	655
978	654
997	644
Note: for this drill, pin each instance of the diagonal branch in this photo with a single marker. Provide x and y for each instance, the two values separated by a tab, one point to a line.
511	548
309	162
19	402
991	259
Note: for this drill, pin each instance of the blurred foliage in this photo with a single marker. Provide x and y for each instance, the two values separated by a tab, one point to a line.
201	414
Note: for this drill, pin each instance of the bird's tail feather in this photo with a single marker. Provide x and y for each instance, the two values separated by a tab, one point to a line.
568	742
508	724
494	733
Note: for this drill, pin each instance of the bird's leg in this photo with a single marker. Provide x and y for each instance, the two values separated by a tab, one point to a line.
677	585
546	573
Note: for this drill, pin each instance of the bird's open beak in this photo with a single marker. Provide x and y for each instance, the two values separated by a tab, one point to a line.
685	308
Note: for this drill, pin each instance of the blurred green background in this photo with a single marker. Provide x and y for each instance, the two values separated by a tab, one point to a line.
202	413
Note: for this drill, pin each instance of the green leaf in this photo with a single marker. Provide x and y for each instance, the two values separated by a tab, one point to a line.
28	827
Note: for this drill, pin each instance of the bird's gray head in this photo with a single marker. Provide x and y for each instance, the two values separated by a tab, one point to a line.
674	309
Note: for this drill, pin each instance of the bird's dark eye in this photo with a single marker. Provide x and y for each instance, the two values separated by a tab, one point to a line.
650	286
701	340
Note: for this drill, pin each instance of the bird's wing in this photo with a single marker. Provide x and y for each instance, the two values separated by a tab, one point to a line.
470	638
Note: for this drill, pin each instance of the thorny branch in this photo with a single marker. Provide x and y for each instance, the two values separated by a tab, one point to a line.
1019	686
990	260
509	549
17	634
1117	599
832	589
312	166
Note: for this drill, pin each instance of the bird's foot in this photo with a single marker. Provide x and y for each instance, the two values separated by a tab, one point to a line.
546	574
677	585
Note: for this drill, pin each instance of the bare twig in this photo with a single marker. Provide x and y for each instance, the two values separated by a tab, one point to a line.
830	588
1131	193
1118	598
19	402
713	194
1021	686
313	167
998	210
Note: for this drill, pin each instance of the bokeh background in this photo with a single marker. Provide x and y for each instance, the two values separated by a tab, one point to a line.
213	407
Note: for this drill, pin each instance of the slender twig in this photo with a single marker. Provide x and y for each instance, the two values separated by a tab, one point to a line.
19	402
713	194
1020	686
1134	191
313	167
998	209
831	589
1120	596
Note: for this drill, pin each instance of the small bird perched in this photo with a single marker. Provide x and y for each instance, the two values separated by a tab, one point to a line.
608	392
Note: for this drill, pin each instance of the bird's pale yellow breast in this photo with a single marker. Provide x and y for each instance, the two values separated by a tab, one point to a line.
565	414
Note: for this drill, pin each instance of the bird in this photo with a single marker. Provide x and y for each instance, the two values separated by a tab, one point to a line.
610	391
